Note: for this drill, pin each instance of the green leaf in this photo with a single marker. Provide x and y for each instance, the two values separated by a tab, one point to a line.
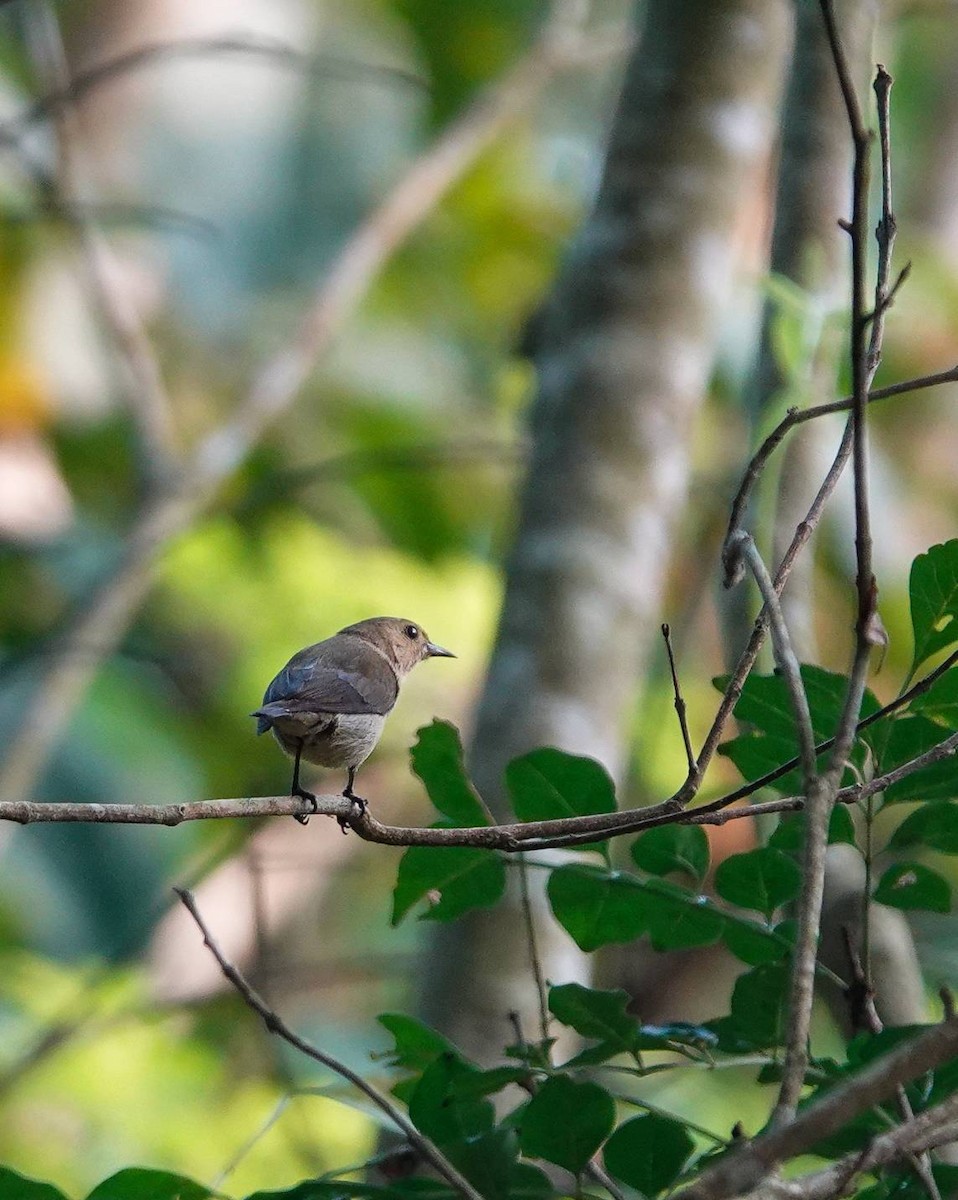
762	879
416	1045
751	943
680	919
14	1186
438	1112
597	907
757	1014
339	1189
934	825
912	885
933	588
909	738
529	1183
940	702
648	1153
463	878
139	1183
595	1014
437	759
488	1161
548	784
764	704
673	848
789	834
566	1122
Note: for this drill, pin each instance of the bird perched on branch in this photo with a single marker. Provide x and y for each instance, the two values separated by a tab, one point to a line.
329	703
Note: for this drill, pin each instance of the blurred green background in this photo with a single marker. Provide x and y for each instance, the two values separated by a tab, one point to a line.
227	182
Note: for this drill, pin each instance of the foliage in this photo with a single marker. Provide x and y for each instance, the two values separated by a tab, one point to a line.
568	1115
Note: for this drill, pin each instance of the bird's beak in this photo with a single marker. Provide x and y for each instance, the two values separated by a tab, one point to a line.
435	651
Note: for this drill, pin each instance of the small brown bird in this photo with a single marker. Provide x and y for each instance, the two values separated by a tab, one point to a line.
329	703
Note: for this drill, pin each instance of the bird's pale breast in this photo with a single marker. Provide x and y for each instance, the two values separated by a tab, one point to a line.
340	740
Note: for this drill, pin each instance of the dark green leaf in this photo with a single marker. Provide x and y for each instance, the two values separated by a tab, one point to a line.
758	1006
437	760
438	1112
909	738
566	1122
934	825
933	589
912	885
673	848
488	1161
473	1084
529	1183
680	919
548	784
139	1183
752	944
597	907
14	1186
789	834
940	702
648	1153
595	1014
762	879
343	1189
416	1045
463	878
764	704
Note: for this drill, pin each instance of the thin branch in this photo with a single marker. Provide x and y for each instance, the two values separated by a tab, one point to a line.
799	416
679	703
275	1024
748	1166
562	833
535	961
65	94
103	619
144	393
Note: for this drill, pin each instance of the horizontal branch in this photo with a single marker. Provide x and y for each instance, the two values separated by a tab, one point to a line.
525	835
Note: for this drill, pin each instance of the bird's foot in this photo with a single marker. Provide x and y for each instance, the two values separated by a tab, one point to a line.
303	818
355	802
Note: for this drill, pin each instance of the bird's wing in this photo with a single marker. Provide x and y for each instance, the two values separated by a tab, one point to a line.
306	685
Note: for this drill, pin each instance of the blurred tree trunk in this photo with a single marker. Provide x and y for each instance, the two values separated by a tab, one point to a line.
814	190
625	347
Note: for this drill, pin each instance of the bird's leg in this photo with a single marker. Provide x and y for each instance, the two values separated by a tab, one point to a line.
355	801
296	790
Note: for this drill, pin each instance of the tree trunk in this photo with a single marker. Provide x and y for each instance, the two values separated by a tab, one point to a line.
625	349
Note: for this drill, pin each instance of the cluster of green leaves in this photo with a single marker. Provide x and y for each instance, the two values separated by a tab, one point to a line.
505	1126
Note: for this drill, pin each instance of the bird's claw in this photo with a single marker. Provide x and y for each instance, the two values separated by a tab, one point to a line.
310	798
355	802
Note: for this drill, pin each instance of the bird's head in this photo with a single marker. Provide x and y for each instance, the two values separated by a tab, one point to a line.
403	642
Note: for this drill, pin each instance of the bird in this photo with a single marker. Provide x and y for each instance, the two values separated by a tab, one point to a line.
329	704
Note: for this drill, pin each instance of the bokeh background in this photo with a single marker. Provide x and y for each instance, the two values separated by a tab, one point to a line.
225	174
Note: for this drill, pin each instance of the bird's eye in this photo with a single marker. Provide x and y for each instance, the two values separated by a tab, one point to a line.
411	631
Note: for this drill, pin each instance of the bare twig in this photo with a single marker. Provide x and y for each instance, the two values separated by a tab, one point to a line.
275	1024
535	961
102	621
145	395
679	703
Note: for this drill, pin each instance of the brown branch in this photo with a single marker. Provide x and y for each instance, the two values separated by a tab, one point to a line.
275	1024
144	393
565	832
746	1167
679	704
102	621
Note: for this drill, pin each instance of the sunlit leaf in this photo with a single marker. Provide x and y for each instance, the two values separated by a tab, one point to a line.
437	759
